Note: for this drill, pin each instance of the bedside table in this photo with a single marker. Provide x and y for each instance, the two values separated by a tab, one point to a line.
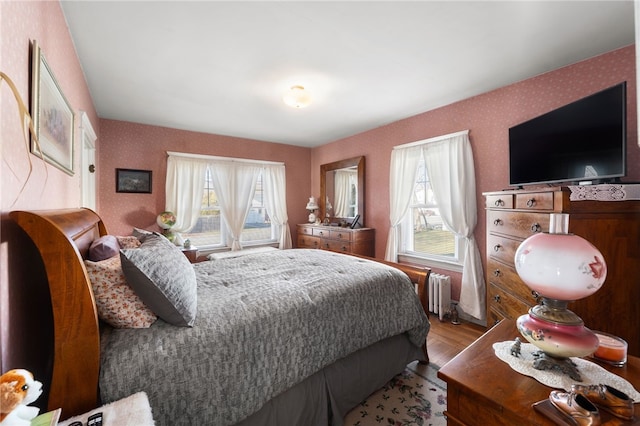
483	390
191	253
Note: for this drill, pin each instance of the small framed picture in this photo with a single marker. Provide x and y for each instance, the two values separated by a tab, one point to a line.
133	181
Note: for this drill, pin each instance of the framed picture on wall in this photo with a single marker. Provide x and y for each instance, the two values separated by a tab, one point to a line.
53	117
133	181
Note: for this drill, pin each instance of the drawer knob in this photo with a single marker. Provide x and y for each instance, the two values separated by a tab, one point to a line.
497	273
497	222
497	298
497	247
499	203
536	296
531	202
326	245
536	227
339	235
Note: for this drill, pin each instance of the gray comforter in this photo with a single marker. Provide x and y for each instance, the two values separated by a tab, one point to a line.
265	322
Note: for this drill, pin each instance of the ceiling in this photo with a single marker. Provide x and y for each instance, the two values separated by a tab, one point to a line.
221	67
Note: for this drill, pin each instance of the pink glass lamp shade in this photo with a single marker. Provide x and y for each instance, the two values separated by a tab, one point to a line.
560	267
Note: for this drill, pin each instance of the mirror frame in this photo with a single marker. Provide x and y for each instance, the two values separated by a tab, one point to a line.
341	164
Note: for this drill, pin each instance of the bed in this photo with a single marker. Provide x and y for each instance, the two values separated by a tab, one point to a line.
260	349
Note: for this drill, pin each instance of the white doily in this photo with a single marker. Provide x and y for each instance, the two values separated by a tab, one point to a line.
604	192
590	372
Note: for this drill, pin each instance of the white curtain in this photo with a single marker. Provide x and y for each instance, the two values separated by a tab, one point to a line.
343	181
452	175
449	163
275	191
402	178
183	189
234	184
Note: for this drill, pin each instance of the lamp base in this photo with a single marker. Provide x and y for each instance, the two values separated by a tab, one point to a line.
545	361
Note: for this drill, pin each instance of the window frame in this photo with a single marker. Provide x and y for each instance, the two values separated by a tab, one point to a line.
406	249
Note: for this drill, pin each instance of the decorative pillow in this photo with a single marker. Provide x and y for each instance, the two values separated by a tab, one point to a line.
129	241
117	303
141	234
163	278
103	248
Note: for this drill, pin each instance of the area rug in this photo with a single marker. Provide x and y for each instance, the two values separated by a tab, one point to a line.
414	397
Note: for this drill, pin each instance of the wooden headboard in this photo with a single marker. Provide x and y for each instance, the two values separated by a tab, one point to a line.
63	238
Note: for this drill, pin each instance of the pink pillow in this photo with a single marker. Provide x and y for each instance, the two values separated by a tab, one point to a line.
129	241
103	248
117	303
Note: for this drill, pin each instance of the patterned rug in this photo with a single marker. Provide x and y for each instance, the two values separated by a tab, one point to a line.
414	397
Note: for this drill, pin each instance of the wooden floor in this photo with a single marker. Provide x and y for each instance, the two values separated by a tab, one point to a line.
446	340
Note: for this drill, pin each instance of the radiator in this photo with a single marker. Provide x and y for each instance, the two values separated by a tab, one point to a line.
439	294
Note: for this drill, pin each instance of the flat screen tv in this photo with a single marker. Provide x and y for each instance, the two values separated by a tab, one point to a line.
584	141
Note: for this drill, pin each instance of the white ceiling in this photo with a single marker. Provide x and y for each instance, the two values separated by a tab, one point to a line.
222	66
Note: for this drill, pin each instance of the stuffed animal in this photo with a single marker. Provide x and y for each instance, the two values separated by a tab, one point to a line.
17	390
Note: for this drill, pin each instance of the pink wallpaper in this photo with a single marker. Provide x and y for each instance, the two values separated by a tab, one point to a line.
488	118
25	313
136	146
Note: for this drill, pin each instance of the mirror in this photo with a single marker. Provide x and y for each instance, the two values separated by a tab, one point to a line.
342	191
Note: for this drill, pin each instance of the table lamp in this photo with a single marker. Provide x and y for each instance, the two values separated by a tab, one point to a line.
312	206
560	267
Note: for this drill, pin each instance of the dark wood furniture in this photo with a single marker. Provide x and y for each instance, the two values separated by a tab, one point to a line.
353	241
191	253
483	390
612	226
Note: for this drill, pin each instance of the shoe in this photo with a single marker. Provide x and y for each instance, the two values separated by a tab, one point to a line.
608	398
576	407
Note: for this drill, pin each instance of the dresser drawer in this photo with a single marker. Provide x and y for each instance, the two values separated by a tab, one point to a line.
506	277
338	234
502	201
502	248
305	230
521	225
535	201
337	245
494	317
321	232
505	303
305	241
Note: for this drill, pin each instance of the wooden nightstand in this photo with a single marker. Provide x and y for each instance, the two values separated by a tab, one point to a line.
483	390
191	253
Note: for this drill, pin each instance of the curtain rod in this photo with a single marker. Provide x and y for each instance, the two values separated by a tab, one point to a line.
229	159
433	139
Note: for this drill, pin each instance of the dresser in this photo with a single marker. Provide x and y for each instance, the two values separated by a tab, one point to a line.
612	226
355	241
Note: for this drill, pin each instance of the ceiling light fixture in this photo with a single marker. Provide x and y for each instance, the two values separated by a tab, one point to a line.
297	97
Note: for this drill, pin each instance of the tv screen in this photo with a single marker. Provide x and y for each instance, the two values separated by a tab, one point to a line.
582	141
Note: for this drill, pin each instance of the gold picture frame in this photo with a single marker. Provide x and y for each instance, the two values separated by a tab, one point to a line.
52	115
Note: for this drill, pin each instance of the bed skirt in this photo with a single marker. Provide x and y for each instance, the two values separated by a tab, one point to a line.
326	397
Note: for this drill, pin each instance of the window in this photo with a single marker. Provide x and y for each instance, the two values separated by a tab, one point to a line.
257	226
208	232
424	234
